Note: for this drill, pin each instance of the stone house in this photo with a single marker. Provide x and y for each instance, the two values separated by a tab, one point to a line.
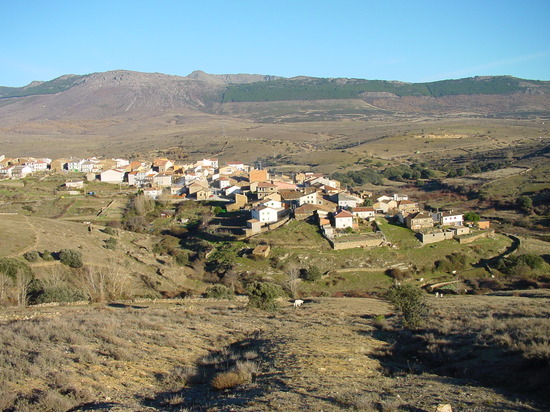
419	221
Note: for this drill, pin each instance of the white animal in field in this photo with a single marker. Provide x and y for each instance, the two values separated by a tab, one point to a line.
436	294
298	302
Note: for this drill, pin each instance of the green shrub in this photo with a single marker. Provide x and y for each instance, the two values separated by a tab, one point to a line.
110	231
71	257
219	292
409	301
46	255
111	243
262	295
32	256
181	258
38	293
312	274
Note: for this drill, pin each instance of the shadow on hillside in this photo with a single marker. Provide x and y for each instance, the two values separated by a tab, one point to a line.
462	356
197	393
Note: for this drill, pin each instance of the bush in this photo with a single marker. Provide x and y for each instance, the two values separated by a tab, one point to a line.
227	380
71	257
262	295
110	231
38	293
181	258
219	292
46	255
312	274
409	301
32	256
397	274
110	243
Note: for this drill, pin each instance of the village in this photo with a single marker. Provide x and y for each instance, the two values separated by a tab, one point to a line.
346	218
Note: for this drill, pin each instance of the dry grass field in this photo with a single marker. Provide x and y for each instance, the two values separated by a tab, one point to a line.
330	354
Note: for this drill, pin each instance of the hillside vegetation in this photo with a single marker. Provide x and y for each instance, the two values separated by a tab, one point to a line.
322	89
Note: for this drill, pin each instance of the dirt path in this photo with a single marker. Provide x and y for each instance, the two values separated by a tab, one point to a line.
320	356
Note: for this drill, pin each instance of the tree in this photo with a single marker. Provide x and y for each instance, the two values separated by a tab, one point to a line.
524	203
409	301
262	295
472	217
312	274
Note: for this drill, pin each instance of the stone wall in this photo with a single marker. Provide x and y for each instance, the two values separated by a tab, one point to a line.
370	241
471	238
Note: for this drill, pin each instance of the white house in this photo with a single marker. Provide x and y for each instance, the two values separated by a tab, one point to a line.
346	200
343	219
233	190
274	204
75	165
323	181
162	180
20	172
363	212
449	218
264	214
5	172
120	163
152	192
112	176
38	165
224	183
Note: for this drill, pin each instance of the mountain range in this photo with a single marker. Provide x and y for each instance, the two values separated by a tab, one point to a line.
118	92
122	102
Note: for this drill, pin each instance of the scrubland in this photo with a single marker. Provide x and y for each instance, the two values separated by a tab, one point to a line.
475	353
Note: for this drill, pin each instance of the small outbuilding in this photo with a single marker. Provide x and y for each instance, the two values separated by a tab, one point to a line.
262	251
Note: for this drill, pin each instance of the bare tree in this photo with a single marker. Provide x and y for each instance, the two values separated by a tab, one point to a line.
293	279
5	281
103	283
142	205
22	281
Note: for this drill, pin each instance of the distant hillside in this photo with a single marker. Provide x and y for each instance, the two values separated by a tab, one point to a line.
323	89
57	85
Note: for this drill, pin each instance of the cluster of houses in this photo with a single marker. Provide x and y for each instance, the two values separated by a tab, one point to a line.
269	198
430	227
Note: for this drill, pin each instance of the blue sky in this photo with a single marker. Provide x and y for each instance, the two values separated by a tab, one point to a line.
411	41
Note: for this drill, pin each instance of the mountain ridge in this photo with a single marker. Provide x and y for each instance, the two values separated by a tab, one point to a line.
131	105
